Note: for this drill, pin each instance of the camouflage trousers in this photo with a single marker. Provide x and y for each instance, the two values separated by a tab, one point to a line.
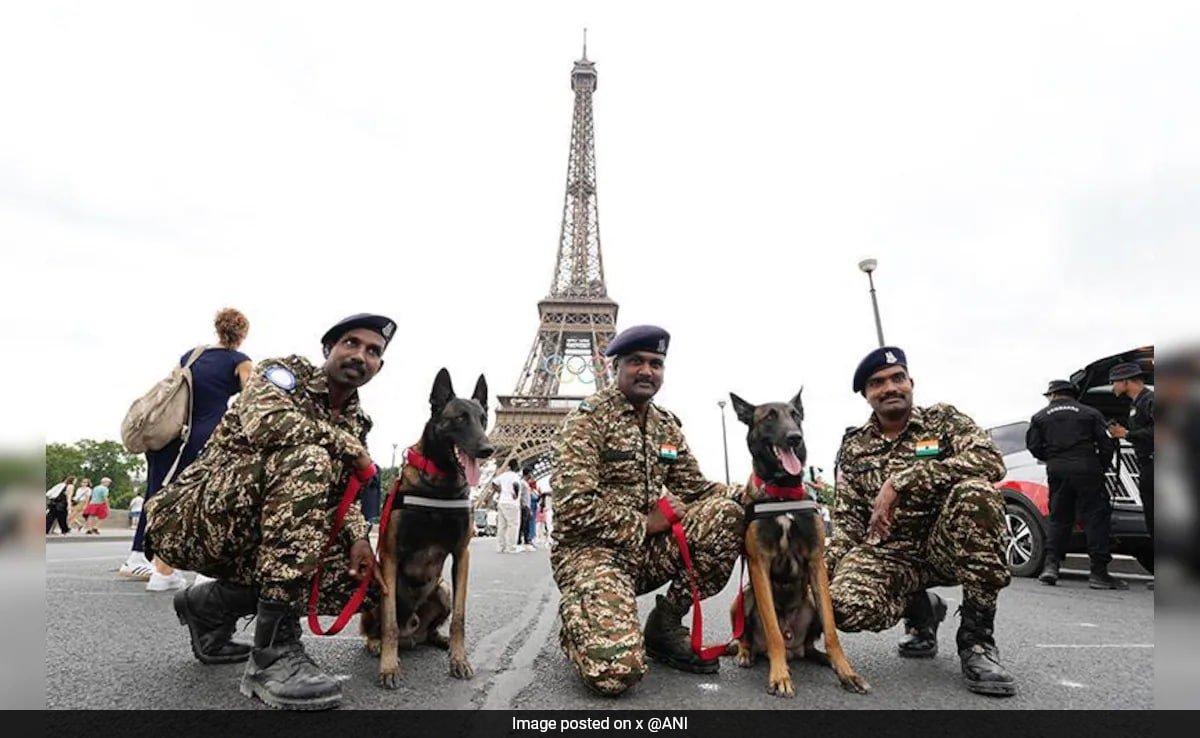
601	633
965	545
262	523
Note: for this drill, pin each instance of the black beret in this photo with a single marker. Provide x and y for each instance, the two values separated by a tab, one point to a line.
1128	370
639	338
382	325
876	360
1061	385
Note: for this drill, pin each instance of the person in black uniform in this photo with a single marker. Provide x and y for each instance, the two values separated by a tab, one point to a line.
1128	381
1072	440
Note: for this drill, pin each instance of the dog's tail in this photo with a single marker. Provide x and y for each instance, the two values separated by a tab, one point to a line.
731	648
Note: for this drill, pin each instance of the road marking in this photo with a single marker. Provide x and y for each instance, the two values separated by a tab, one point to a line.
709	687
1088	625
83	558
1072	685
1095	645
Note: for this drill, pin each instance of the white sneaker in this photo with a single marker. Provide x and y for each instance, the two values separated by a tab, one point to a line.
160	583
136	567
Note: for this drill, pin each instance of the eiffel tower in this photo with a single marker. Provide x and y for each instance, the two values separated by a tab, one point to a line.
576	320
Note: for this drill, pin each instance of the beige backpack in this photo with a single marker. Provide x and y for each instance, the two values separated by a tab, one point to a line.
162	414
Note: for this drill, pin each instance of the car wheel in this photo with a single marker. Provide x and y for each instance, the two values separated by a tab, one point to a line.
1026	548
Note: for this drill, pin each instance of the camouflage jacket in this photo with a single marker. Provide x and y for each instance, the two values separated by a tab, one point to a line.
608	472
286	403
939	448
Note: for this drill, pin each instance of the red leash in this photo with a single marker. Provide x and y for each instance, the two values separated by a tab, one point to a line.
357	479
697	617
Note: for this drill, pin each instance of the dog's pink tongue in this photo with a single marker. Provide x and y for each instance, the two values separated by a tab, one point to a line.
791	464
470	467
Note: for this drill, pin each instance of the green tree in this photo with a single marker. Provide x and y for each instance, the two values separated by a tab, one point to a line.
95	459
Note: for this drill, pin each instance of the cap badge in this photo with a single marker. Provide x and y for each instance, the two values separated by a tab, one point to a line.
890	357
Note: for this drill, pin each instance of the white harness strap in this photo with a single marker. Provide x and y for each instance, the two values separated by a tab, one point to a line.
435	503
771	508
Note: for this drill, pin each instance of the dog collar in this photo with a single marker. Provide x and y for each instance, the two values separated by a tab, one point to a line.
424	465
781	493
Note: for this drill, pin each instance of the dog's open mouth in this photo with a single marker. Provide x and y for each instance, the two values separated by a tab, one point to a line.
791	463
469	464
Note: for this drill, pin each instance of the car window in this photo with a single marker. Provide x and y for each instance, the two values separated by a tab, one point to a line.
1010	438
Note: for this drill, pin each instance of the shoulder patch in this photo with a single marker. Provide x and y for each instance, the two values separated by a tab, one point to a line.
584	407
281	377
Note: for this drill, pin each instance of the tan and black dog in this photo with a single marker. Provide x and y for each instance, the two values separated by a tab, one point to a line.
787	603
430	520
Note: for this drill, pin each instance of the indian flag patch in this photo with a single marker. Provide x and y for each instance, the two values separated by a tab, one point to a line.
669	453
928	447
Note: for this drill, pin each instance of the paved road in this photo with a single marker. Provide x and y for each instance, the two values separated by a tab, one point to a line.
111	644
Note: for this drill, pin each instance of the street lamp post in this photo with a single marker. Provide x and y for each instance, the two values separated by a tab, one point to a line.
724	442
394	446
868	266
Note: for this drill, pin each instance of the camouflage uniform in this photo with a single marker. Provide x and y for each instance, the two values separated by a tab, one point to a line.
257	506
949	525
608	473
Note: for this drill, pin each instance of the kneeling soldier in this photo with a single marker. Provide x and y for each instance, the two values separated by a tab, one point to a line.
613	457
255	510
916	507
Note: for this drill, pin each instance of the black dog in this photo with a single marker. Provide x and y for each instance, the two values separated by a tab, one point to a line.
430	520
785	552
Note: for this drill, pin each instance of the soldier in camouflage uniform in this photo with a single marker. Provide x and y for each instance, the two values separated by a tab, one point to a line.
614	457
916	508
255	510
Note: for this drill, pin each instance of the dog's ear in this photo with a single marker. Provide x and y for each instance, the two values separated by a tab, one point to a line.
443	391
796	403
743	409
480	394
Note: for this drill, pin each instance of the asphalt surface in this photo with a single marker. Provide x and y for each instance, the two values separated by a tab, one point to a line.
110	644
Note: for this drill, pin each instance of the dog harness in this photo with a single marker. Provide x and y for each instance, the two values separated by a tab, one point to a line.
780	501
424	465
357	479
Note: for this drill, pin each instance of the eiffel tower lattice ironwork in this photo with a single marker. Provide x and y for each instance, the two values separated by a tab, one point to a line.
577	319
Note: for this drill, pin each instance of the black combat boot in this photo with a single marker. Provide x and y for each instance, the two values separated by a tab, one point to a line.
669	642
980	657
280	672
211	611
1099	578
1049	573
922	614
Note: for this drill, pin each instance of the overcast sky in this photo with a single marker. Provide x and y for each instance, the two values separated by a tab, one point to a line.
1015	170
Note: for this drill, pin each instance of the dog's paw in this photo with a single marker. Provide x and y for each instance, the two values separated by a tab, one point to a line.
389	679
460	668
438	640
781	686
745	658
854	683
374	646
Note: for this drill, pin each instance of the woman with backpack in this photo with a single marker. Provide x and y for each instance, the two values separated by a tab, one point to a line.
218	373
58	502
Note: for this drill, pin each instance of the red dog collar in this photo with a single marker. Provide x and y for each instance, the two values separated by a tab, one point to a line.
781	493
424	465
